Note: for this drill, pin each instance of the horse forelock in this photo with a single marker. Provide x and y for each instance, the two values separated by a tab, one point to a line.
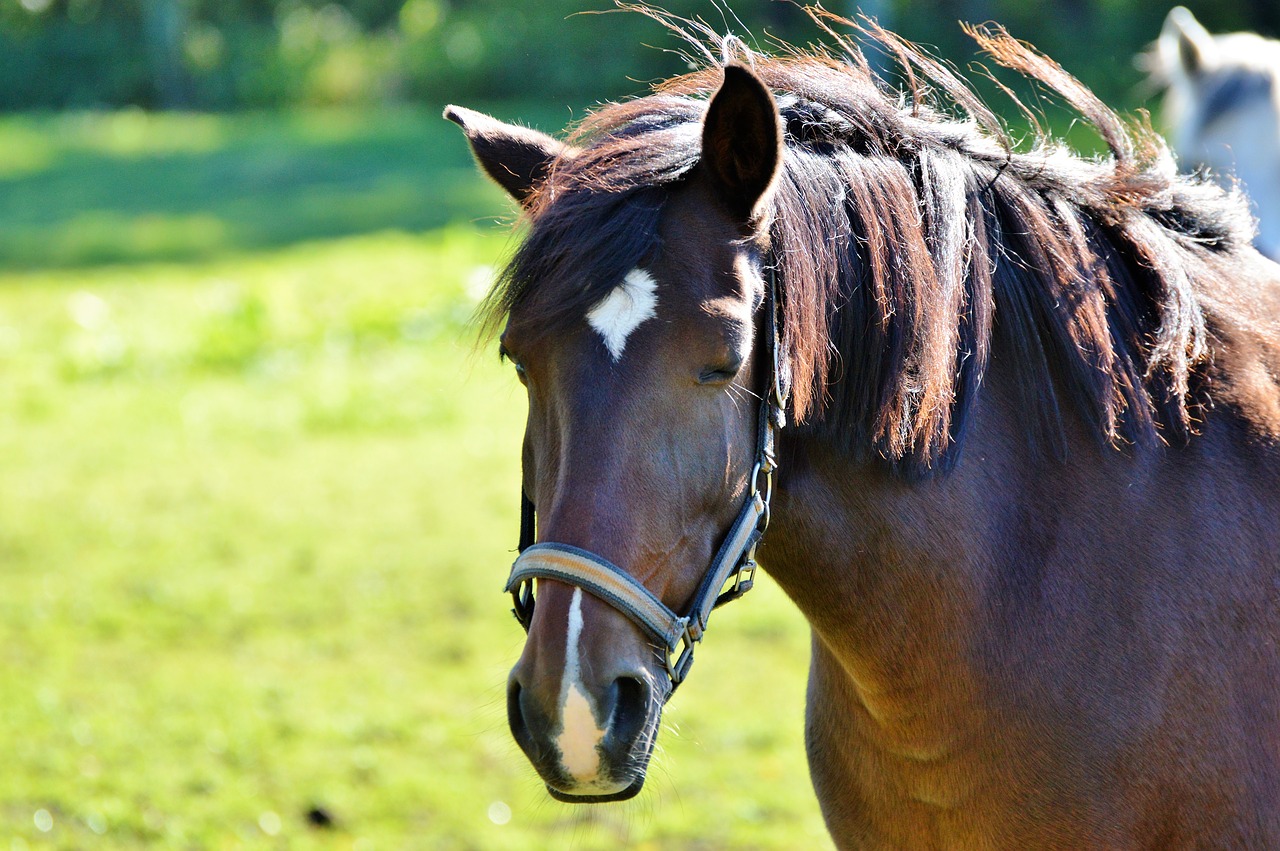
595	217
902	226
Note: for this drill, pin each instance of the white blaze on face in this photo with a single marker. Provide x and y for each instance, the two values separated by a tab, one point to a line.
580	735
620	312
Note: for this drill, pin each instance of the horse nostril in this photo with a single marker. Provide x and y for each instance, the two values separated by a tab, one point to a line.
515	715
630	697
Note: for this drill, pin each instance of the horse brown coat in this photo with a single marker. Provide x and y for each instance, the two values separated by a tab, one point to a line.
1029	502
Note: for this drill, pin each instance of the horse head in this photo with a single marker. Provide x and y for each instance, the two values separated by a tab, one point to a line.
1223	110
631	316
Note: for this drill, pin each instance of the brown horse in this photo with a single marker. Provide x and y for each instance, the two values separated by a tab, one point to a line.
1027	468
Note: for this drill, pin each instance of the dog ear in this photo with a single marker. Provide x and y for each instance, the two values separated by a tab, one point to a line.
742	142
517	158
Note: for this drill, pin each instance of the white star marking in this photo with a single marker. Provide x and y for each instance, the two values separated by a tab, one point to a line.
620	312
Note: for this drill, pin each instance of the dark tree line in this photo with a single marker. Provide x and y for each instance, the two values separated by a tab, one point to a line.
223	54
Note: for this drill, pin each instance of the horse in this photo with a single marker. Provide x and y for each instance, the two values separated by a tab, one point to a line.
1222	108
1009	414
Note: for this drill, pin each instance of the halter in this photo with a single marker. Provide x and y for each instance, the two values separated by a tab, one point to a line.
733	564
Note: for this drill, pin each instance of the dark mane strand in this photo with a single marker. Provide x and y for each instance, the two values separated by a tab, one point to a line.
914	244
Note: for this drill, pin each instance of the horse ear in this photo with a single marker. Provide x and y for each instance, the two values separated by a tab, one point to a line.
742	142
517	158
1185	44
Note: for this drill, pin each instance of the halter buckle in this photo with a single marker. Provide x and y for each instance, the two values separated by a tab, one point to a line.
684	660
744	579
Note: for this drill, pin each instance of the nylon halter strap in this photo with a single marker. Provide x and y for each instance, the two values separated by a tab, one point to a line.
732	570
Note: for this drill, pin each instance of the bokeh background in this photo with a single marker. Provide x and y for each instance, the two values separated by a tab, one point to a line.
258	485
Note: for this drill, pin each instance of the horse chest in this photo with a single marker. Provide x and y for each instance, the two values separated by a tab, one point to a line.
898	642
928	768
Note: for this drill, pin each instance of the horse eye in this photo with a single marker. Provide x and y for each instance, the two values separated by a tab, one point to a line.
505	354
720	374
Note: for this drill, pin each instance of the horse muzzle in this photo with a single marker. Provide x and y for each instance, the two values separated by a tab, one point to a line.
589	744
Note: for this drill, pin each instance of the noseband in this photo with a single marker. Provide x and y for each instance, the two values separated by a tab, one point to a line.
731	573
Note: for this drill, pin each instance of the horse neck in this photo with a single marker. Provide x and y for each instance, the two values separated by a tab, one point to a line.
921	591
900	580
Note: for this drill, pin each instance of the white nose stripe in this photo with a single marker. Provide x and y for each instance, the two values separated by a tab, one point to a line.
619	313
580	734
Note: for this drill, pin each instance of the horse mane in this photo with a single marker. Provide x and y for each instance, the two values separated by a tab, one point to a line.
909	234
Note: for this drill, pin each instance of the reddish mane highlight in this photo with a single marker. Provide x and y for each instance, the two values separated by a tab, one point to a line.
910	244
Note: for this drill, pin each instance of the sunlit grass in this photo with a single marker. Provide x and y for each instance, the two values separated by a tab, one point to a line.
255	516
84	189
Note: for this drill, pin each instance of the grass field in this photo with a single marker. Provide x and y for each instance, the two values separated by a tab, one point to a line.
258	500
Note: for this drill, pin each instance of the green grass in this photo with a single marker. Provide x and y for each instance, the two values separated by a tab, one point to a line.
90	188
257	503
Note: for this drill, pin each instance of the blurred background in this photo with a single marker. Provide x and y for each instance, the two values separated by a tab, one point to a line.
258	485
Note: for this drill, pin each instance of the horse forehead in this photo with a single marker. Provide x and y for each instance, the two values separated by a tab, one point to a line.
684	297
